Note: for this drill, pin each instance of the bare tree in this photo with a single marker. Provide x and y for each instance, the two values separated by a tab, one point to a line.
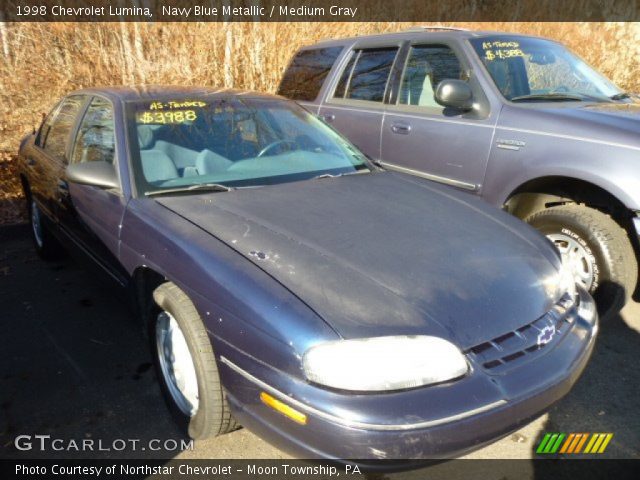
4	37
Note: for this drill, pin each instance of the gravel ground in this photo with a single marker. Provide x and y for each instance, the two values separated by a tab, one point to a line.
73	364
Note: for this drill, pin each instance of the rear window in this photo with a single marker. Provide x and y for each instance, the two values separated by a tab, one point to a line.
307	72
366	75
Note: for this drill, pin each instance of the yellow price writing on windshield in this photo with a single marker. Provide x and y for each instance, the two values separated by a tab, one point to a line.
502	54
167	117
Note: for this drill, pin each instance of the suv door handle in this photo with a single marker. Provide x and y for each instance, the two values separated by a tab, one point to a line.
401	128
329	117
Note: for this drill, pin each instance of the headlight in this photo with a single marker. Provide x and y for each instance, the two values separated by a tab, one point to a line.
384	363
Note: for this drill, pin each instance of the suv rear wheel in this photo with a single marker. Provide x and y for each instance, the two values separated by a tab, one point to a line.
596	249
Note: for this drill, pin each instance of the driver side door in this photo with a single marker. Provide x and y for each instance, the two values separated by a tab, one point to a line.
92	215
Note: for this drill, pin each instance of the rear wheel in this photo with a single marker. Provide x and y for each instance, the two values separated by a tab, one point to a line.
186	365
46	245
596	249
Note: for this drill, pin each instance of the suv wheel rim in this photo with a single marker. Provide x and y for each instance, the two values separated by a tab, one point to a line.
176	363
576	257
36	223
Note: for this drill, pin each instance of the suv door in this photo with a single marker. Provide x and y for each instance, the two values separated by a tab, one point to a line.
355	103
421	137
92	215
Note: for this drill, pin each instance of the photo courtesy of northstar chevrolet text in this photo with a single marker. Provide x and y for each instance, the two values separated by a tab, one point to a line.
252	239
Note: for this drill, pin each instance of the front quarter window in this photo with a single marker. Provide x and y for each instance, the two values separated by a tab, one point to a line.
95	138
535	69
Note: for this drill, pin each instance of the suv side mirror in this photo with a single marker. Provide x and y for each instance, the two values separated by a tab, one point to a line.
455	94
96	174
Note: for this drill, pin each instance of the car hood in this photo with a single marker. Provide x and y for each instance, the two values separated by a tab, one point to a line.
615	123
384	254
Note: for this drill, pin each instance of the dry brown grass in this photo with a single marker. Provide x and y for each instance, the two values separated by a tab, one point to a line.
42	61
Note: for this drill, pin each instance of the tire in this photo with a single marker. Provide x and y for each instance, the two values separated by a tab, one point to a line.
603	247
46	245
210	415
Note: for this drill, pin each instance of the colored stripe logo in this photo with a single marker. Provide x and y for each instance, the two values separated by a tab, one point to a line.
574	443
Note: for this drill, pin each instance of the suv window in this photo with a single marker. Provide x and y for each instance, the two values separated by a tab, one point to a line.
427	66
367	75
307	72
95	139
57	135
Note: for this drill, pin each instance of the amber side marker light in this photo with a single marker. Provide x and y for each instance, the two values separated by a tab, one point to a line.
284	409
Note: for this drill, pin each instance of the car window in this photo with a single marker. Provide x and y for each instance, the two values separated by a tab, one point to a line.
95	139
366	75
235	141
427	66
307	72
58	134
46	126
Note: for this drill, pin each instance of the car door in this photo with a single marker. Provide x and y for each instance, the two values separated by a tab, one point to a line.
92	215
355	103
421	137
48	158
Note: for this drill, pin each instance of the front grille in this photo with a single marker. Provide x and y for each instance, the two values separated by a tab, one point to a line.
512	348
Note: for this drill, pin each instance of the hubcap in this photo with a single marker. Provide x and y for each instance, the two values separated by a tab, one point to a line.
576	257
36	223
176	363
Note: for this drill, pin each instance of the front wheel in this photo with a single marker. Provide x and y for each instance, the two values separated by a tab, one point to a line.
596	249
186	365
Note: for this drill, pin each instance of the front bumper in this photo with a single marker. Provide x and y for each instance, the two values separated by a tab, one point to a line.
437	422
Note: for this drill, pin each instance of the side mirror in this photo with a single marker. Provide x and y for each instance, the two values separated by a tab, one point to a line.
96	174
455	94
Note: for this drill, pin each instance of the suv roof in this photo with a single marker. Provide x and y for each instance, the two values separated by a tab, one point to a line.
422	31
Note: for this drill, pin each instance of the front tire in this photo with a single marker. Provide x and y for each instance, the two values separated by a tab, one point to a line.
186	365
596	249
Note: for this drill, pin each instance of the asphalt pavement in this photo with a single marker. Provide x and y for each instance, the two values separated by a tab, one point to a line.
74	365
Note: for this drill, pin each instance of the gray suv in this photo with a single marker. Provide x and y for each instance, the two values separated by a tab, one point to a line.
518	120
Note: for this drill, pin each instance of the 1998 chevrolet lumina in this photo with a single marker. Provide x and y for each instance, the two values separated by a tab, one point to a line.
288	284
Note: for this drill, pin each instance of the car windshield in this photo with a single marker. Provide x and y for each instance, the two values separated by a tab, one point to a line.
534	69
213	142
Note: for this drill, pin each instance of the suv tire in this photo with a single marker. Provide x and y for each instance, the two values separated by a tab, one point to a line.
598	248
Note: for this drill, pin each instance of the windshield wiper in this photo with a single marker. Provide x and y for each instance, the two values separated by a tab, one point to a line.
336	175
620	96
209	187
556	97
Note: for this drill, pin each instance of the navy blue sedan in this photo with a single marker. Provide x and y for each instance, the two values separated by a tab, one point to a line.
290	285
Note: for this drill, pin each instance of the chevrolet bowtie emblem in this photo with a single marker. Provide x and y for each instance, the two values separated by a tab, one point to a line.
546	335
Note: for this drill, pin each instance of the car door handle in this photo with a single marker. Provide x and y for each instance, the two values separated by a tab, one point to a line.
31	162
401	128
63	188
329	117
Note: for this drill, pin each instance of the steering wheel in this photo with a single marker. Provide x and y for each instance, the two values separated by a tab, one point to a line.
273	145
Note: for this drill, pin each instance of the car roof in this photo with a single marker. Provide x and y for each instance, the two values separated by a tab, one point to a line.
127	93
421	32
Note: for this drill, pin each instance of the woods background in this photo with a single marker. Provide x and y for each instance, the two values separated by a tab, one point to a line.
40	62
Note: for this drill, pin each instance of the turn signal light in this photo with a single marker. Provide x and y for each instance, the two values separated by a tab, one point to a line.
283	408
